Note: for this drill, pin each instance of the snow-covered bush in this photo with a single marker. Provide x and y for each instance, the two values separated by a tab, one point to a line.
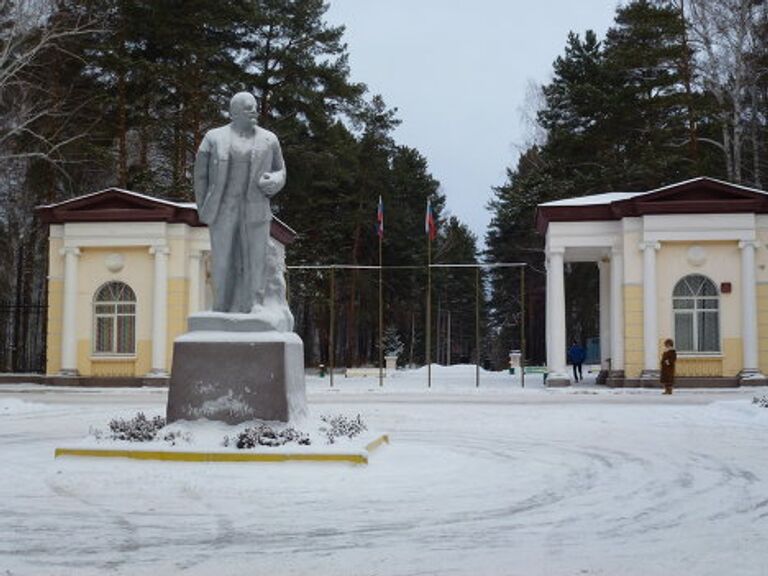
264	435
174	436
136	429
140	429
341	426
761	401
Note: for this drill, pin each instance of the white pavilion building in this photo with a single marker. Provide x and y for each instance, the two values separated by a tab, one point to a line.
686	261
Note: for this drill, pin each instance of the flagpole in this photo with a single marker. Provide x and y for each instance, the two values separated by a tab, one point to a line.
331	336
477	327
429	311
522	327
381	319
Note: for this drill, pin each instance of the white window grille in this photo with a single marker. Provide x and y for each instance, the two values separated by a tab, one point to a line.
114	314
696	305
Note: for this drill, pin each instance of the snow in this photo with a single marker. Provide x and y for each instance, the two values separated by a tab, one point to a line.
699	178
594	199
610	197
128	193
223	336
495	480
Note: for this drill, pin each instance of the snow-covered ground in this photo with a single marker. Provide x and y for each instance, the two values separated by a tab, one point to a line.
493	480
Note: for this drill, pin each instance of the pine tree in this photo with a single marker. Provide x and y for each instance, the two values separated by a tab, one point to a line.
391	342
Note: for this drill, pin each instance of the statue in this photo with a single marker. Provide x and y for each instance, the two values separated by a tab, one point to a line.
241	361
238	168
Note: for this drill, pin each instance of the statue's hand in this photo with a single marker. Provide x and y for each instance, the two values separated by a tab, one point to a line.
269	184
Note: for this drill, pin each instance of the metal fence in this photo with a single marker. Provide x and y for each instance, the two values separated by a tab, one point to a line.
22	337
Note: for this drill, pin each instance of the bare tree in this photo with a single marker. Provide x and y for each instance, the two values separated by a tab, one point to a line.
35	126
727	37
28	31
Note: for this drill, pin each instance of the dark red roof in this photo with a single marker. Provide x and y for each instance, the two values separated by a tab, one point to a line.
118	205
697	196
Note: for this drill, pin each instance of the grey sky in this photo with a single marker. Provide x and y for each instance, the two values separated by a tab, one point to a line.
458	71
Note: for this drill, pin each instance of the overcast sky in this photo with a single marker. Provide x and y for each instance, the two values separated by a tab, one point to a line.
458	72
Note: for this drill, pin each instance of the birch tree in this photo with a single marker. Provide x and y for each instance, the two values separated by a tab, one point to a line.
30	29
726	36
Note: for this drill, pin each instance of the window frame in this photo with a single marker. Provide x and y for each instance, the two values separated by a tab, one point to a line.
118	319
695	312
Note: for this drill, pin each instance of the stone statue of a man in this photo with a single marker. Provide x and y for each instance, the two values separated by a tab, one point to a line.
238	168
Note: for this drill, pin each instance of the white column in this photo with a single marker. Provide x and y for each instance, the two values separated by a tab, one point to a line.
749	308
556	313
617	309
69	313
650	310
604	266
159	311
195	273
548	314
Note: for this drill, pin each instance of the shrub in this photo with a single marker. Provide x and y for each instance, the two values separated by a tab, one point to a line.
264	435
761	401
341	426
174	436
137	429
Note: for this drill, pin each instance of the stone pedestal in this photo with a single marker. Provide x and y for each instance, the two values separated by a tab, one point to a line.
233	375
390	365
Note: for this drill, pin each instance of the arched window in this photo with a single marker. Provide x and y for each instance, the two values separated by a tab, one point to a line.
114	313
696	306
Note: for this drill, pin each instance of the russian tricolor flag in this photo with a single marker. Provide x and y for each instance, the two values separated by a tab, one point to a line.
380	219
430	226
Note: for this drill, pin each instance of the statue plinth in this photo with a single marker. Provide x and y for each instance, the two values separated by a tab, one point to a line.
230	369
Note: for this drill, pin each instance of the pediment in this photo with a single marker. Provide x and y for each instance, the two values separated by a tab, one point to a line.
116	205
702	195
112	199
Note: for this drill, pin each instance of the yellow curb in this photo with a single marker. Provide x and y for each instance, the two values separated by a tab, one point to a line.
354	458
371	446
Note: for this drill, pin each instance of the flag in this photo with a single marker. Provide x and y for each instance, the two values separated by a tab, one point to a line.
430	226
380	219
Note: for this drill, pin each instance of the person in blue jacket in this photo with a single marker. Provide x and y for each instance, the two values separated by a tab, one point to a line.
577	354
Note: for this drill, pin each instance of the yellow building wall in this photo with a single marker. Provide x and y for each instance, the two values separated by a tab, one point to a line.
722	264
178	310
54	327
762	326
137	272
55	300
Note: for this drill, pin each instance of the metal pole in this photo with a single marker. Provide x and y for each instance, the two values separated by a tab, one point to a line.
448	337
477	327
438	331
332	307
429	312
381	321
522	327
16	342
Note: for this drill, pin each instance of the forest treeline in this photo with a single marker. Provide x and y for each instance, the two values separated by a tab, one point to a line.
119	93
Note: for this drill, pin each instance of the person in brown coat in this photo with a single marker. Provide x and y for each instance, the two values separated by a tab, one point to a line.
668	359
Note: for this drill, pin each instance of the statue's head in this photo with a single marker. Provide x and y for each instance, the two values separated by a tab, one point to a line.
244	110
